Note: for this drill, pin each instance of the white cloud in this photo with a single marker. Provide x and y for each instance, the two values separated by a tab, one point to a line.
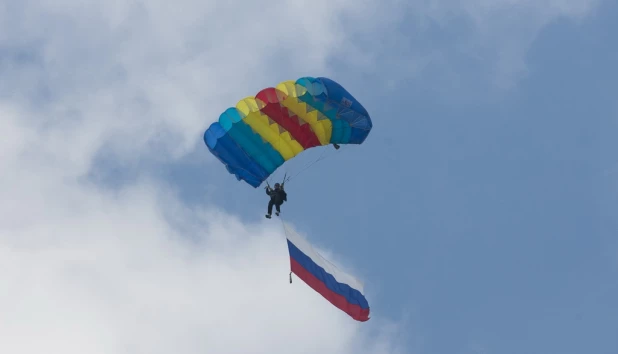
133	270
109	274
152	72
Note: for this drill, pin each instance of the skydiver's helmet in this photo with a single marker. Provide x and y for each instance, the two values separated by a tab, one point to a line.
277	185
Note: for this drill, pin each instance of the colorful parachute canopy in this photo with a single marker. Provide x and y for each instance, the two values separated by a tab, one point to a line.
261	133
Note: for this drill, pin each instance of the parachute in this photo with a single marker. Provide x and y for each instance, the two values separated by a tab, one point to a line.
262	132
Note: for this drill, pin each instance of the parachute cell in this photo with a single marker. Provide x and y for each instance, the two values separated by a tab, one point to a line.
258	135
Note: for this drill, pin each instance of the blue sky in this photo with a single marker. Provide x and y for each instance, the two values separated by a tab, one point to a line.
485	221
480	212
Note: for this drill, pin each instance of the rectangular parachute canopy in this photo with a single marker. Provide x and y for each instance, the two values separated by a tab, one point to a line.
341	289
260	133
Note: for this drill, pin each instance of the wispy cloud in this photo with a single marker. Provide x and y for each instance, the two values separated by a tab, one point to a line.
132	269
110	273
152	72
458	45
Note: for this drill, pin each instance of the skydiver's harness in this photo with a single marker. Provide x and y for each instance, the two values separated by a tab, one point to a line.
285	179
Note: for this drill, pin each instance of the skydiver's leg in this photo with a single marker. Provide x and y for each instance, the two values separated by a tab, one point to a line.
270	208
278	206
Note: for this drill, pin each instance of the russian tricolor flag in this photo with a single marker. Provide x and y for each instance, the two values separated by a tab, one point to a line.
341	289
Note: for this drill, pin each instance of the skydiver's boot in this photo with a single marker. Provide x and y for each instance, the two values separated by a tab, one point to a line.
277	213
268	216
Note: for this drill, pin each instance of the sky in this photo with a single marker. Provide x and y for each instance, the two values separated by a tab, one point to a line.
480	212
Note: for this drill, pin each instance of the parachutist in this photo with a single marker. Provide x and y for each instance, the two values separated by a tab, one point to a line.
336	146
277	197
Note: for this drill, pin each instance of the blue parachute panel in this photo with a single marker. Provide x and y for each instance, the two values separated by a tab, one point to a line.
236	161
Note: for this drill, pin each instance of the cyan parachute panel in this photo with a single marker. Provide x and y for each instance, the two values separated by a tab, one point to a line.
250	142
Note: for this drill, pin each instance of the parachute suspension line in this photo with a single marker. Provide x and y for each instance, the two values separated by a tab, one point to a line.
323	156
284	179
271	177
